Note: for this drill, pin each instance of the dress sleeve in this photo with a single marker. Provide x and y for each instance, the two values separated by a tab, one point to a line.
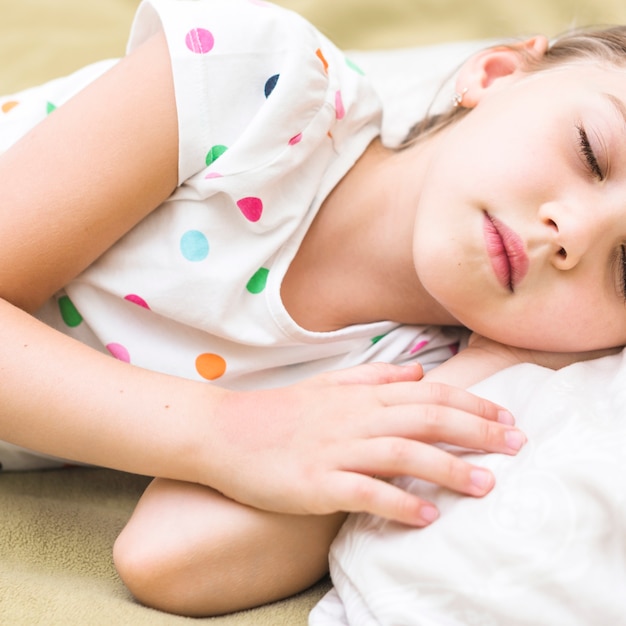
227	57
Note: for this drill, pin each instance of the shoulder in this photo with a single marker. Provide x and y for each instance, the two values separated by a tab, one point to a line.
218	27
241	67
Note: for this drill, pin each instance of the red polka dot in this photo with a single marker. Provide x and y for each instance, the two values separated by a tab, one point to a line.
295	139
251	207
138	300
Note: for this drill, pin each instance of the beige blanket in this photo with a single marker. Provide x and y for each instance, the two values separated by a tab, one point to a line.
58	527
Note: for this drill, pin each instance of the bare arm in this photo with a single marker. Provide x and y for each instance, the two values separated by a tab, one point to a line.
484	357
88	173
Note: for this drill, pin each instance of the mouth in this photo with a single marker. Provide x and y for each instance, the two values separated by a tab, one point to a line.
506	252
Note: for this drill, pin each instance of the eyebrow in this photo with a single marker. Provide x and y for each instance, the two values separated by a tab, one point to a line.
618	104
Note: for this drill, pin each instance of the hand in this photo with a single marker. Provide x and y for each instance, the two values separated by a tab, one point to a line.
316	446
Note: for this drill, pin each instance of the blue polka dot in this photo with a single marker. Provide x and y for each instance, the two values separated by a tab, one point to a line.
270	84
194	245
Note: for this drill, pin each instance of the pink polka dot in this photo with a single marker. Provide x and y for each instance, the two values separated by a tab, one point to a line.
251	207
418	346
454	349
199	40
213	175
295	139
135	299
119	352
339	108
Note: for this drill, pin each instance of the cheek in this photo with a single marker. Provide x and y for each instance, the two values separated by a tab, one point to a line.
446	274
503	147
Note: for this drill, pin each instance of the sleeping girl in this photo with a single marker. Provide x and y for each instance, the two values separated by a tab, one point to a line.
215	273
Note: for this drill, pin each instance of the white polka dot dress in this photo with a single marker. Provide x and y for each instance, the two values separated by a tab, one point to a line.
271	116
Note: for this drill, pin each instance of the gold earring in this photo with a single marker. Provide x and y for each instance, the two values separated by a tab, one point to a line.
457	98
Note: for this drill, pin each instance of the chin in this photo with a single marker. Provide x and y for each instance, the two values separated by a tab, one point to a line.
557	344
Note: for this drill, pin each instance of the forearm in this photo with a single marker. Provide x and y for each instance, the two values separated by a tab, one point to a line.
63	398
484	357
475	363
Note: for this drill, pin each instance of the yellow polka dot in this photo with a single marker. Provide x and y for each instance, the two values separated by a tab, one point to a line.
7	106
210	366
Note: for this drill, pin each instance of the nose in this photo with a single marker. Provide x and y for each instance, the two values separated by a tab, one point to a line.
571	232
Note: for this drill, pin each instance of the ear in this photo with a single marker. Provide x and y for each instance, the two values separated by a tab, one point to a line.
483	70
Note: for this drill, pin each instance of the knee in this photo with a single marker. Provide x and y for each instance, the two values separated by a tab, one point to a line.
190	551
186	578
149	571
138	566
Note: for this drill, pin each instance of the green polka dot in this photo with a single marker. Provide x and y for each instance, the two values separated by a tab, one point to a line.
215	153
257	283
377	339
353	66
69	313
50	107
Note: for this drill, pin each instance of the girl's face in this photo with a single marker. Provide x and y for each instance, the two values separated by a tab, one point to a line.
521	224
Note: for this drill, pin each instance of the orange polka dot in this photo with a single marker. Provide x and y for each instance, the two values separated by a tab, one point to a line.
7	106
210	366
320	54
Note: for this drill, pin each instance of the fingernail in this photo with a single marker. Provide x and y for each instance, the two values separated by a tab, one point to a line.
514	439
504	417
481	478
429	513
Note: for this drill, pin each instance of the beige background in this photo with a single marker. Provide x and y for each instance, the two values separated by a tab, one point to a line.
40	39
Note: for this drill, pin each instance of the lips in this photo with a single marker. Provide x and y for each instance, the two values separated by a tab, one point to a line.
506	252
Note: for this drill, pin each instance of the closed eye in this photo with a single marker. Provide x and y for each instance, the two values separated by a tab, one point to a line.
587	153
623	271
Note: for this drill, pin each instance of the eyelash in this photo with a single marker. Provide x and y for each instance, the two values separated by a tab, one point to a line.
592	162
587	152
623	260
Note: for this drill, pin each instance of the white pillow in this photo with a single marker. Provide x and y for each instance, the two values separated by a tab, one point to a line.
546	547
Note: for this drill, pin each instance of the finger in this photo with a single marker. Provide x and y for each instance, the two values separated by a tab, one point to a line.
397	457
375	374
355	493
431	423
444	395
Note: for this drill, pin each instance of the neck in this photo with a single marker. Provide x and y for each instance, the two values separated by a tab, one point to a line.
357	257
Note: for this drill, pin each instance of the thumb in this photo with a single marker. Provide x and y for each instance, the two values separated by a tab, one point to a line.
376	374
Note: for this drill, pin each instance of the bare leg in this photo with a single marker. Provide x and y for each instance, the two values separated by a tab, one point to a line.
189	550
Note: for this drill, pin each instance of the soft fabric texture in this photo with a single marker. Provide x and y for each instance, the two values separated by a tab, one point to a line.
546	547
58	526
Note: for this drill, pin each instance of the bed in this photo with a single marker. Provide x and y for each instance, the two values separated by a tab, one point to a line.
58	526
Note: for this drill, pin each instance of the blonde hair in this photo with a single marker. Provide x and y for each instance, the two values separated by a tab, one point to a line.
602	44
